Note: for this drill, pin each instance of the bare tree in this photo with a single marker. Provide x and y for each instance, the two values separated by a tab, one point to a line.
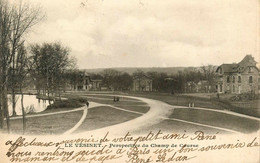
109	76
5	57
15	21
138	75
23	18
50	60
23	69
209	74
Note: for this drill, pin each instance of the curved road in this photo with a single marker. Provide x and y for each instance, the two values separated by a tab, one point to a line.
159	111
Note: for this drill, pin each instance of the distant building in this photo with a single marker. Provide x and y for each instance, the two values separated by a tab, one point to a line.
142	83
191	87
239	77
95	84
201	86
83	82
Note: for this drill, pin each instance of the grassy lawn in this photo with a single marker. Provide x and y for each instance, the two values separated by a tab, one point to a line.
203	100
100	117
51	124
111	102
124	102
104	116
178	127
216	119
86	95
108	100
137	108
59	123
177	99
51	111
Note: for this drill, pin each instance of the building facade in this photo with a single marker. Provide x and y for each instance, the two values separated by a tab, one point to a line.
142	83
202	86
95	84
239	77
83	82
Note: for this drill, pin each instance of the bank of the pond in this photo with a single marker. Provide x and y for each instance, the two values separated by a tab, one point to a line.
69	102
30	102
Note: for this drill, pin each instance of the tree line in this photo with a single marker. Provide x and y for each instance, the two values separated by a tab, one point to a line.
181	82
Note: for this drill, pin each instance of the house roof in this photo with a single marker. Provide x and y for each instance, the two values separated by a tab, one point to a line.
247	61
229	67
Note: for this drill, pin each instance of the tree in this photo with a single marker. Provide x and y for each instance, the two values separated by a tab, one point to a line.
23	18
96	76
110	78
72	77
23	68
15	21
159	82
50	62
209	74
125	81
5	58
138	75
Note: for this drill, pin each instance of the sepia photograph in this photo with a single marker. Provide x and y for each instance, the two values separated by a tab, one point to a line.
135	81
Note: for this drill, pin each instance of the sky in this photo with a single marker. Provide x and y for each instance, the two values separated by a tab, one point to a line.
151	33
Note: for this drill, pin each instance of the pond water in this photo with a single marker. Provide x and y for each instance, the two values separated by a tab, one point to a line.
30	102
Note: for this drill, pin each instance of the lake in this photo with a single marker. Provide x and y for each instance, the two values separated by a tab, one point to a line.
30	102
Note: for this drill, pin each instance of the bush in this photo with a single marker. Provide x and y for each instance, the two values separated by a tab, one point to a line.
70	103
79	99
244	97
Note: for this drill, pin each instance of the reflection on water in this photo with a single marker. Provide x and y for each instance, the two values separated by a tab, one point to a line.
30	103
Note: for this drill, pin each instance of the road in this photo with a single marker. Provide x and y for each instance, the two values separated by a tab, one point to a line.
162	116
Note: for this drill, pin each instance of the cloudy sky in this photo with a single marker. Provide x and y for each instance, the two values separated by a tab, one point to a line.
151	33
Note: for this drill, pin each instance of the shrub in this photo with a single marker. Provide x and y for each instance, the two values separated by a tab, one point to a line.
70	103
244	97
79	99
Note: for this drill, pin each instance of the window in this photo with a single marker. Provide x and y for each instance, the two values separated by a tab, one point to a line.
220	89
228	79
250	69
234	90
220	70
250	79
234	79
239	79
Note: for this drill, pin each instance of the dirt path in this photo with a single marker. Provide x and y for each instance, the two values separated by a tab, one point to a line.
159	111
84	115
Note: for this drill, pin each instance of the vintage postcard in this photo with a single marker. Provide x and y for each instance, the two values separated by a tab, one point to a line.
134	81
